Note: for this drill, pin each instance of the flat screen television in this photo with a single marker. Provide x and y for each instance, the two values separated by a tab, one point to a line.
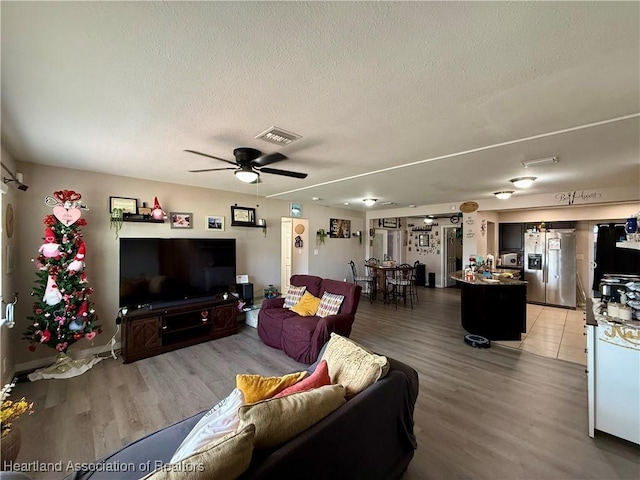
157	271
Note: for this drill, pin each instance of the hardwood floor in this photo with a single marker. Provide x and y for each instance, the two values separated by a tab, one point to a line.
499	413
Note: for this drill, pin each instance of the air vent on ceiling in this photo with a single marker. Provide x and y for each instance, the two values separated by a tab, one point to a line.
388	203
278	136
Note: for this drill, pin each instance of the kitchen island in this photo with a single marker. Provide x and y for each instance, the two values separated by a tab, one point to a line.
495	307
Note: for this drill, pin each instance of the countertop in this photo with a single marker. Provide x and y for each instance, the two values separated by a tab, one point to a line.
595	319
478	279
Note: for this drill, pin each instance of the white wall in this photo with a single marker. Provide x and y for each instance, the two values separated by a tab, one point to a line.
9	280
257	255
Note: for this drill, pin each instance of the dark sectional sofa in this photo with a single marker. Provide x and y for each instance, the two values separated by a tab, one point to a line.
370	437
302	338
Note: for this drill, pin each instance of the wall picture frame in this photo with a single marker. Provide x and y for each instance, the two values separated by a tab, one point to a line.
339	228
214	223
390	222
127	205
243	216
181	219
296	210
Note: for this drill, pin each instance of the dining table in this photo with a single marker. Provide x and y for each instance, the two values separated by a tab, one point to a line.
382	273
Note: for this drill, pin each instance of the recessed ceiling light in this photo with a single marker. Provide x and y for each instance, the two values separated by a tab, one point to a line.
523	182
504	194
315	199
369	202
346	203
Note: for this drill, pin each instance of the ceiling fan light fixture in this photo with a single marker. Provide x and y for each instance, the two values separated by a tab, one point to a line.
246	175
503	195
523	182
370	202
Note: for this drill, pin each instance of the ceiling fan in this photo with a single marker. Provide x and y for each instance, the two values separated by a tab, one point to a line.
250	163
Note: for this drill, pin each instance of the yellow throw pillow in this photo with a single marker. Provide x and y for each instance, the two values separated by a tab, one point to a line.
352	365
278	420
307	306
257	387
225	459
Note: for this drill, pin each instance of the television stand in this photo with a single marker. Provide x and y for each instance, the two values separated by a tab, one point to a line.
149	332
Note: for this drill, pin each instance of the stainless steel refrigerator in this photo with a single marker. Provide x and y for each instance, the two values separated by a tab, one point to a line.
550	267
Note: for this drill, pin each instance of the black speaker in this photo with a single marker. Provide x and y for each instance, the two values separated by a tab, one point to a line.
245	290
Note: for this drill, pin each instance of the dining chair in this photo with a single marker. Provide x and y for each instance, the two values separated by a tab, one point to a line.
367	281
402	284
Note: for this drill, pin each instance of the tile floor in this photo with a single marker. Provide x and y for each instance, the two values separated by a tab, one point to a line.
554	332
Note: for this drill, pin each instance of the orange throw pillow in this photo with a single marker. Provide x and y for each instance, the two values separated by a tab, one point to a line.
257	387
319	378
307	306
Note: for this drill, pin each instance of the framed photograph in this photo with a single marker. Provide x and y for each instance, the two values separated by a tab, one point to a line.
390	222
339	228
214	222
181	220
127	205
243	216
296	210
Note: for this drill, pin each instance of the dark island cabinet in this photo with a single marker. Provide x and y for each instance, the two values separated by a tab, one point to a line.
149	332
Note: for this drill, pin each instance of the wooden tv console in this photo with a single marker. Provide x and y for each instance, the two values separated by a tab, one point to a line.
150	331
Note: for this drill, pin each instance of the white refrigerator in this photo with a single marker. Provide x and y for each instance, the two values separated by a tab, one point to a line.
550	267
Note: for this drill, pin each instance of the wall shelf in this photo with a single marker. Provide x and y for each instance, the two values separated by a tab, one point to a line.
130	217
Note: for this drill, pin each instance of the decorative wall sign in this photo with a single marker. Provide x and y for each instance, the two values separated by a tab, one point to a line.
577	197
339	228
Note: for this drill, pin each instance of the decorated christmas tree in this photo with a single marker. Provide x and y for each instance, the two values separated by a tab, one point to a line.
62	311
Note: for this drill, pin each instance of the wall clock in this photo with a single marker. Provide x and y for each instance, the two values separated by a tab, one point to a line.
8	220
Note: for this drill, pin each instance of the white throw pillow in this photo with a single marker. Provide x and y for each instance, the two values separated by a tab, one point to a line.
215	424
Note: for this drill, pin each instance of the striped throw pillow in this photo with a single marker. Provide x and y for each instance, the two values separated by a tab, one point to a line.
294	294
329	304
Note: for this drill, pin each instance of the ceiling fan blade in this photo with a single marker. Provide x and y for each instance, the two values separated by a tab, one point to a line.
268	159
211	156
212	169
285	173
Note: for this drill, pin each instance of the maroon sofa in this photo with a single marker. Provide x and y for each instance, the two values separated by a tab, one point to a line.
302	338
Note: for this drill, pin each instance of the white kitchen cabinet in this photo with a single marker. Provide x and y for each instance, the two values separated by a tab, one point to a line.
613	365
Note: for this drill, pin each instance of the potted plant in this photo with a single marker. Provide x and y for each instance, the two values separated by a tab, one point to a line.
320	236
10	411
116	219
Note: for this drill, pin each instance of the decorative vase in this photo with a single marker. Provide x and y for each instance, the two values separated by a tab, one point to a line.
10	446
631	225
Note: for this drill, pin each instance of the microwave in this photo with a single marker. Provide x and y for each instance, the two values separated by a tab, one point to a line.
509	259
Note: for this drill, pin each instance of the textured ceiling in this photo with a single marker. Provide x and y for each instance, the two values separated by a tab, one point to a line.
462	91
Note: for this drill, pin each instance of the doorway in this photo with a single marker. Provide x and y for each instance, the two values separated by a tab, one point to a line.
387	245
451	254
294	249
